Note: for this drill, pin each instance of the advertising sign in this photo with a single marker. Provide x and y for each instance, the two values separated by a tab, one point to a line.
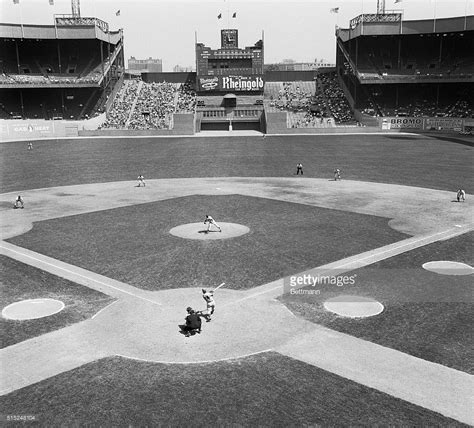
443	123
406	123
231	83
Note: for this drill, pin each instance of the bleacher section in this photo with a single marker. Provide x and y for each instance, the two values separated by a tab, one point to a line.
310	104
141	105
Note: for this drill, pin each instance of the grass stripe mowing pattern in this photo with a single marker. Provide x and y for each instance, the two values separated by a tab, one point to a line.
409	160
133	244
261	390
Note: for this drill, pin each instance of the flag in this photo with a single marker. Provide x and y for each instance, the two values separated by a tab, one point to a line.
219	16
398	1
234	15
334	10
117	13
16	1
51	2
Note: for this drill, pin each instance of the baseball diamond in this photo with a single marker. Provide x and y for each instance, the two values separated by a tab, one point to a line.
171	262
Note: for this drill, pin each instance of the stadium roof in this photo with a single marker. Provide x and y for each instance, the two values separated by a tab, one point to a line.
393	24
88	28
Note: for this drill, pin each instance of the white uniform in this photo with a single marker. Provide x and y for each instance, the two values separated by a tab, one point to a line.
141	180
337	174
208	296
209	220
461	195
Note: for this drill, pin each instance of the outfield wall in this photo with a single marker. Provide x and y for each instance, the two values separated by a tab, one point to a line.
424	123
12	130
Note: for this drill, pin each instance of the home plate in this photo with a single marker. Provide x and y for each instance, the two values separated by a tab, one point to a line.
32	309
353	306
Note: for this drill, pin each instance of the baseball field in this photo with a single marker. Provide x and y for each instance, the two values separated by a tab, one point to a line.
346	302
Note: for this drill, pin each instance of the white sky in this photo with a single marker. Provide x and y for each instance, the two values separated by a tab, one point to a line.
300	30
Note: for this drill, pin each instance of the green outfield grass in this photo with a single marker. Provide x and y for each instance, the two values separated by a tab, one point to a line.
426	314
133	244
263	390
400	159
20	281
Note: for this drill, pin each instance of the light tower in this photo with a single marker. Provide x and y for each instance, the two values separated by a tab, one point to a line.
380	7
76	8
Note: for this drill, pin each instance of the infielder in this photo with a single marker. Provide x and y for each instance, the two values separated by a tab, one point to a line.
461	195
19	203
208	296
210	221
299	168
337	174
141	180
30	145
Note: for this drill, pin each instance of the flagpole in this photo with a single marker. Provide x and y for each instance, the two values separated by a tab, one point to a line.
21	21
434	17
465	15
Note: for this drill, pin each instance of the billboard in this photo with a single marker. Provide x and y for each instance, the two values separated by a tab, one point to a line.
444	123
405	123
232	83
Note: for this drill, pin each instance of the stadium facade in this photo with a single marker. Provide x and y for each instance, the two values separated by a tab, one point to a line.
408	71
62	80
61	71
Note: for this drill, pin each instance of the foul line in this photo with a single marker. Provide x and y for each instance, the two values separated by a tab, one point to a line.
358	260
77	274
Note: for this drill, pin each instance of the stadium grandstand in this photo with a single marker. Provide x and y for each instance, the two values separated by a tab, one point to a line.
63	71
386	69
389	67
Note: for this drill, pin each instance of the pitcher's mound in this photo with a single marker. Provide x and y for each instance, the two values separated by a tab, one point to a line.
448	268
199	231
354	306
32	309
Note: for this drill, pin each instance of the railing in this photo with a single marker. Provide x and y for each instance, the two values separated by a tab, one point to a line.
375	17
69	20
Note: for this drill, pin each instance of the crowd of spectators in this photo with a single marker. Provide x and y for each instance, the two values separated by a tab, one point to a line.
118	114
292	97
154	106
428	108
141	105
186	98
335	99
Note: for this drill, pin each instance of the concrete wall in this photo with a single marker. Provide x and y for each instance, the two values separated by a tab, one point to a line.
183	124
276	122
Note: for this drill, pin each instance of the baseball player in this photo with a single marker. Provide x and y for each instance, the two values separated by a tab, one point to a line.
299	168
193	323
19	203
337	174
141	180
461	195
210	221
208	296
30	145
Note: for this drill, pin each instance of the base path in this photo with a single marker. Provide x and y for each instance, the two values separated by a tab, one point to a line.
144	325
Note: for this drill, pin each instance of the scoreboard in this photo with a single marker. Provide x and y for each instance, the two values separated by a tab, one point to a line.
229	68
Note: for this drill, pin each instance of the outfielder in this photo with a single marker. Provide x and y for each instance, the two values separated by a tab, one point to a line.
337	174
141	180
210	221
461	195
299	168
